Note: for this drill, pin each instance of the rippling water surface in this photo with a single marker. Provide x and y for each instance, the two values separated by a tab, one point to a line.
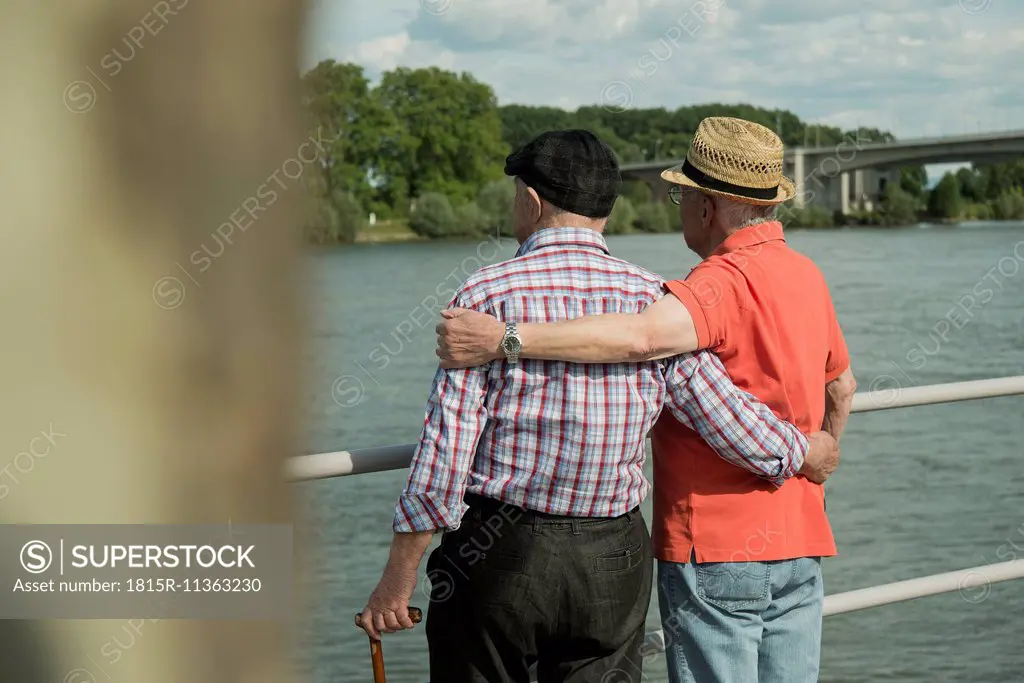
921	490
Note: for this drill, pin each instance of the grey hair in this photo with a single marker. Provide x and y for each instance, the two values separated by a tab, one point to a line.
738	215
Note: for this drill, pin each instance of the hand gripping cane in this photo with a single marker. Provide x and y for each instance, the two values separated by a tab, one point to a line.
376	654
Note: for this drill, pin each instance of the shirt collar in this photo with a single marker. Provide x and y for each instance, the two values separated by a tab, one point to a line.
751	236
563	237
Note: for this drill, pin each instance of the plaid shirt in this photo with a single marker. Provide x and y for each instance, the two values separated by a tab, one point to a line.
568	438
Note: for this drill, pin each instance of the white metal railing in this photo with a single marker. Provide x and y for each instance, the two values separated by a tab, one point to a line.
973	584
384	458
344	463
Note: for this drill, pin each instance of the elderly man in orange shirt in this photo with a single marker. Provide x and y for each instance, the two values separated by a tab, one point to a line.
739	561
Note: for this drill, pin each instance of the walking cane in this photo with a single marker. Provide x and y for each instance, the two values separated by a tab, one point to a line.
376	654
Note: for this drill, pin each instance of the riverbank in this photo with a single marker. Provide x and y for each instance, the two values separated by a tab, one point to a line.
386	232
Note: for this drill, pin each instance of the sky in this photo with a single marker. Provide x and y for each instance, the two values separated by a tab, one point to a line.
913	67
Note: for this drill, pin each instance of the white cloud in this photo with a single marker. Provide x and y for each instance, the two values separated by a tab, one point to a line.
893	64
388	52
907	41
381	53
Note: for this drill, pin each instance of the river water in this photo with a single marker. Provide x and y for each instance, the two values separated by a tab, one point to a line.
920	491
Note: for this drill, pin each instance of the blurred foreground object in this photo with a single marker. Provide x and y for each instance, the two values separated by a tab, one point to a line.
150	202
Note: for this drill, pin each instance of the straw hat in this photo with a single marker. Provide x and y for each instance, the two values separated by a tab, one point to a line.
737	159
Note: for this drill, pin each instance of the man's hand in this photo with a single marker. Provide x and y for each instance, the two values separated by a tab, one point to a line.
822	457
467	338
387	610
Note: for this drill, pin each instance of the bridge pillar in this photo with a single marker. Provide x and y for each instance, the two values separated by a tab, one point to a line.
798	178
829	192
844	193
858	194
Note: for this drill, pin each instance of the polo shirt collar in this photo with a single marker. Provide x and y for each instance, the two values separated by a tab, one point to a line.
563	237
750	236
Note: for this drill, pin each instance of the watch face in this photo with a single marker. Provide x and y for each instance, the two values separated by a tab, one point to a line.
511	345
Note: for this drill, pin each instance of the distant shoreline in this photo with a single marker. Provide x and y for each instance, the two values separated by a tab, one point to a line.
392	234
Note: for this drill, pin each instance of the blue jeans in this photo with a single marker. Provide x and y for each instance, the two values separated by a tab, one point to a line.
742	622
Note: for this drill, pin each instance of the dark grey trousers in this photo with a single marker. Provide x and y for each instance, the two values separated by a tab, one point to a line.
511	588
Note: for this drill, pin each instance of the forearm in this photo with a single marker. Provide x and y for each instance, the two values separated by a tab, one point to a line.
663	329
836	415
610	338
838	402
407	551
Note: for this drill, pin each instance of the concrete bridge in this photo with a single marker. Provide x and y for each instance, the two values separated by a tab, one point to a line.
852	174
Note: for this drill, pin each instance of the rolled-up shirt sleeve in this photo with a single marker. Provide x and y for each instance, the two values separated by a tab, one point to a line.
441	464
737	425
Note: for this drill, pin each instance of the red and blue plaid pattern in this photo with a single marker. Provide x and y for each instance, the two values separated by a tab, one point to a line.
568	438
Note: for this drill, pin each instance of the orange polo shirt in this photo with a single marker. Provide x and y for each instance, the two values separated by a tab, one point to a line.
766	311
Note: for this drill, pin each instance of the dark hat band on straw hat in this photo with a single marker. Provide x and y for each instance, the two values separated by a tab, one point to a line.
704	180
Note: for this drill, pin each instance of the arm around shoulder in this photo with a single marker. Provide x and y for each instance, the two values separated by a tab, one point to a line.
663	329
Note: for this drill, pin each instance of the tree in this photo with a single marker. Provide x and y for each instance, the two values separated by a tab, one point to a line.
520	123
675	221
621	220
945	200
331	216
870	136
651	217
971	184
899	207
1002	178
451	134
636	191
1009	206
350	122
434	217
914	180
471	220
810	216
666	134
334	219
629	153
495	200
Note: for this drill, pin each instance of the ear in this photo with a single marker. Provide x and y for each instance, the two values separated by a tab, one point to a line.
535	203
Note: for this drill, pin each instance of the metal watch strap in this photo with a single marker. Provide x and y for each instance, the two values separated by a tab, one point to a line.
510	331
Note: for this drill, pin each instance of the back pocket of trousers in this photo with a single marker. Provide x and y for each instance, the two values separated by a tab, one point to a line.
620	560
734	586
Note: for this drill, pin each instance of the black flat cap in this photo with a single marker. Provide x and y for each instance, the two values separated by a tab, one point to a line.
571	169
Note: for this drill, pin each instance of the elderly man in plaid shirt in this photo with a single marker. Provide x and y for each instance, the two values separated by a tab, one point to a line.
534	469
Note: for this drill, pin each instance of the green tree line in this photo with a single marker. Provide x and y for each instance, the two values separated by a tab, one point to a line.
426	147
985	192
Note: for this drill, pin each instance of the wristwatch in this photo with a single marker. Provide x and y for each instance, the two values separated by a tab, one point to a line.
511	343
